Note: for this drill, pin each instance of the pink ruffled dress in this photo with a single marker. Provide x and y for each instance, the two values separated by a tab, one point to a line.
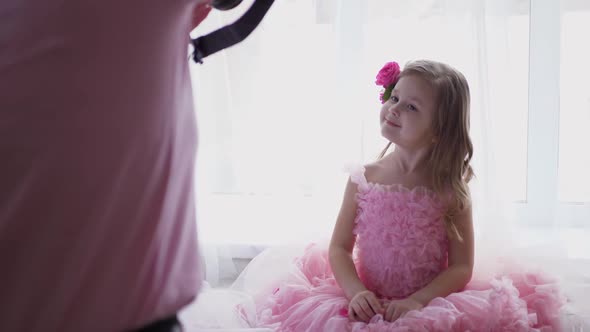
401	246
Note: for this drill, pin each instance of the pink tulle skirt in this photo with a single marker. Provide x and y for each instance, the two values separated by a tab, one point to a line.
309	299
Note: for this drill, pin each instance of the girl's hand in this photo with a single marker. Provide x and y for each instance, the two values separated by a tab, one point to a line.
398	308
363	306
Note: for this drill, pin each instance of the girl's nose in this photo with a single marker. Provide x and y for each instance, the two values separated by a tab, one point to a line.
394	111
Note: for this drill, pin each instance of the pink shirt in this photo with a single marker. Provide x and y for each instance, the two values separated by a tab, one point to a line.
97	147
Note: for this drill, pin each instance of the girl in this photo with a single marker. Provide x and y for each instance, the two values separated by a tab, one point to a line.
402	251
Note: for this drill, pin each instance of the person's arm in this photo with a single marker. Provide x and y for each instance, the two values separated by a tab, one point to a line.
342	244
458	274
453	279
363	303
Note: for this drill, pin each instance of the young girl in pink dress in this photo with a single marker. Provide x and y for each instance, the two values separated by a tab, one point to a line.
401	255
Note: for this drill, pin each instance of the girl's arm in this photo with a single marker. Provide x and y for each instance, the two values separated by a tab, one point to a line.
460	267
363	303
342	244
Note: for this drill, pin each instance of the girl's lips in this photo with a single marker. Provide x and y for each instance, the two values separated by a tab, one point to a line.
391	123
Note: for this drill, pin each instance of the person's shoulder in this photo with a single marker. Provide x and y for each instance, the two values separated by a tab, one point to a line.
454	199
375	169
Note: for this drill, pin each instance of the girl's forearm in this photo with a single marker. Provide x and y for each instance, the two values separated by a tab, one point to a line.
451	280
345	272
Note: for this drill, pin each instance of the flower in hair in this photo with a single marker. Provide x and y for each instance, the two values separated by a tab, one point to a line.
387	77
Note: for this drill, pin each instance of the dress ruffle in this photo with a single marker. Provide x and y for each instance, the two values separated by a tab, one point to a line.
401	246
311	300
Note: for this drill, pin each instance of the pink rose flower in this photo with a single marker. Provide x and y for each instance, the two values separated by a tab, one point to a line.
388	74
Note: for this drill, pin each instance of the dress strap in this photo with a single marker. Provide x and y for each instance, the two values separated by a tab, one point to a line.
357	175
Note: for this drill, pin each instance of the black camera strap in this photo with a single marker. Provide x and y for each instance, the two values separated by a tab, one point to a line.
230	34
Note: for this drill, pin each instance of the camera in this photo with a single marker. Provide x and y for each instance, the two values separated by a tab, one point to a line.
225	4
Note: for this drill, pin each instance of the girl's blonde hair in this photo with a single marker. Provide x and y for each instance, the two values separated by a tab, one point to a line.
452	151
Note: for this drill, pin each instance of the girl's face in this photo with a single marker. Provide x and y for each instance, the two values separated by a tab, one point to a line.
406	118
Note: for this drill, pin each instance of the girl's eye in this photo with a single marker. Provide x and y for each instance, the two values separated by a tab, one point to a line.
411	107
394	99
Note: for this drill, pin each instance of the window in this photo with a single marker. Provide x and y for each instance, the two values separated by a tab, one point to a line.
280	114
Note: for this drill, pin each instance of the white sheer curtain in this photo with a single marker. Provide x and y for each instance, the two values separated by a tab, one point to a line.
282	113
